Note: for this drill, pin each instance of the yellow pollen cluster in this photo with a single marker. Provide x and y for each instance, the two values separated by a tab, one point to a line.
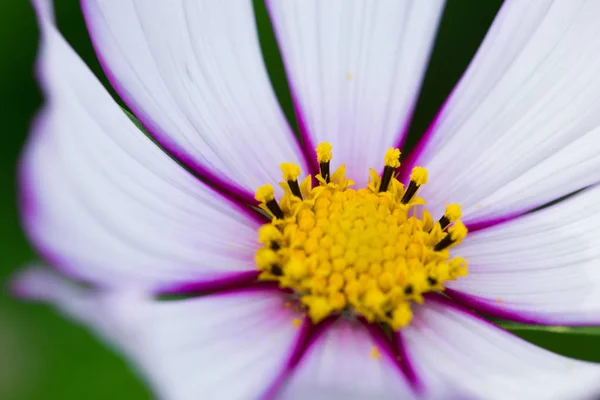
358	252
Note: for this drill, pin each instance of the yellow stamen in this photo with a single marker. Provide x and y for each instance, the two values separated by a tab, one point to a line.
324	156
265	193
387	180
358	251
290	175
290	171
392	158
458	231
419	176
453	212
324	152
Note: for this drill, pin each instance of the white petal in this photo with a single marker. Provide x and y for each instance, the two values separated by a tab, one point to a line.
340	365
101	200
461	356
540	268
225	346
522	127
355	69
192	71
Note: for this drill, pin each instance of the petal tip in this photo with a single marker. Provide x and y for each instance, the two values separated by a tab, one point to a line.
31	283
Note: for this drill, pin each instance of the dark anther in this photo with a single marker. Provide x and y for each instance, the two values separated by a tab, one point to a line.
275	246
410	192
295	188
388	313
274	208
325	170
388	173
444	222
442	244
408	290
276	270
432	281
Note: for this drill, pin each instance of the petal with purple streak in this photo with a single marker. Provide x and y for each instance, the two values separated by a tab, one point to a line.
192	71
355	69
347	362
227	346
106	204
462	356
541	268
522	127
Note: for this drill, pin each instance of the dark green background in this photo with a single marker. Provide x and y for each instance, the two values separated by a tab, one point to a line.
43	356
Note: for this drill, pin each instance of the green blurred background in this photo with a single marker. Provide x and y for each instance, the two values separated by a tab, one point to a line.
43	356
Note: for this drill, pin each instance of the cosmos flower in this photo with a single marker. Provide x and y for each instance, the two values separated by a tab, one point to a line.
361	284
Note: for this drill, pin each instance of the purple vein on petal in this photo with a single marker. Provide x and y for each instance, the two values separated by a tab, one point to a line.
308	335
488	223
486	307
394	348
484	223
305	142
403	131
28	203
229	190
467	309
400	142
482	306
413	155
228	283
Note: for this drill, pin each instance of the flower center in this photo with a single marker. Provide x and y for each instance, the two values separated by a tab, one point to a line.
359	252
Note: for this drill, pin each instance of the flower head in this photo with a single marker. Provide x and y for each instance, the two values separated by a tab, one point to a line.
363	273
359	253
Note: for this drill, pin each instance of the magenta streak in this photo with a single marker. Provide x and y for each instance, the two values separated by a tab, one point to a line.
485	307
397	353
308	335
467	310
28	204
248	287
488	223
305	141
401	138
306	144
413	156
403	132
226	188
227	283
478	225
450	303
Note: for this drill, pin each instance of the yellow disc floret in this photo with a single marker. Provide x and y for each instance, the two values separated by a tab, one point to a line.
392	158
458	231
265	193
291	172
453	212
324	153
358	252
419	175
